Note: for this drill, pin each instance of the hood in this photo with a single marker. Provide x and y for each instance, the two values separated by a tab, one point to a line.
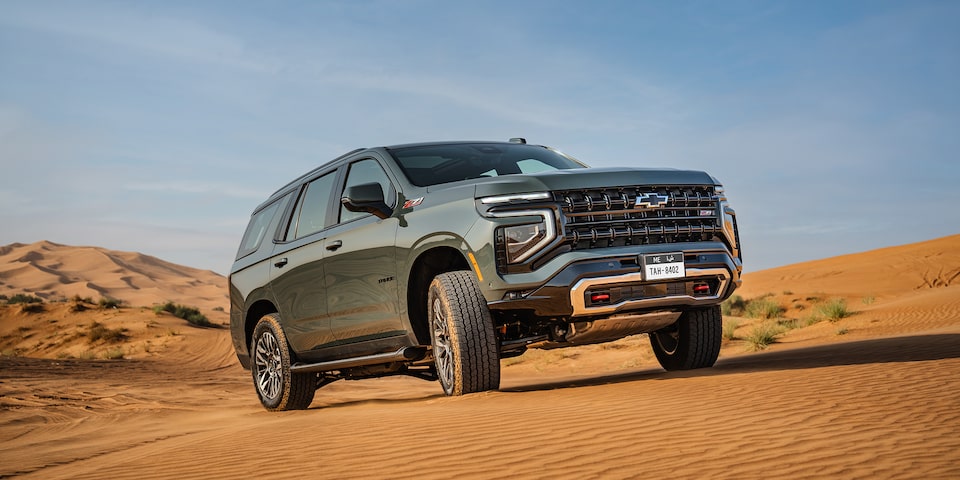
588	178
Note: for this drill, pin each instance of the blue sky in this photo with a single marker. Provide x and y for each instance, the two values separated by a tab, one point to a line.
158	126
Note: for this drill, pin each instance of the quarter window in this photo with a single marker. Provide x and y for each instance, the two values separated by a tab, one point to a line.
257	229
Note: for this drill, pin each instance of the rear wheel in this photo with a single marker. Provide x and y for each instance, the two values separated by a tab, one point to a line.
464	342
692	342
270	359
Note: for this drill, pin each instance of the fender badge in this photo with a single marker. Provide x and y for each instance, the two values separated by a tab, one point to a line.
412	203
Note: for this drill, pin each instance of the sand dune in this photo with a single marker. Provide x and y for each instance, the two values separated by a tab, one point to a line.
878	401
53	271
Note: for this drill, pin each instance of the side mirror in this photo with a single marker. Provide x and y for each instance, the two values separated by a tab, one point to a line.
366	197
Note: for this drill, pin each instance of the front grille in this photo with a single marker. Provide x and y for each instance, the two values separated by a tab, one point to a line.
610	217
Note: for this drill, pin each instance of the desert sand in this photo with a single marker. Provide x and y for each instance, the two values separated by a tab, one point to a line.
871	395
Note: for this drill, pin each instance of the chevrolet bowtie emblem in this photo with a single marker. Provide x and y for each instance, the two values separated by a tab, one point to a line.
651	200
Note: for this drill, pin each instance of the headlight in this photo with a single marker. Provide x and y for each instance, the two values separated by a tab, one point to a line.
521	240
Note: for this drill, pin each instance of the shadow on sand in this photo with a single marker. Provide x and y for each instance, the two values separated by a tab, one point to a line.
920	348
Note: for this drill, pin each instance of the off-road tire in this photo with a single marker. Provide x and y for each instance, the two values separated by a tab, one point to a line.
692	342
465	346
270	358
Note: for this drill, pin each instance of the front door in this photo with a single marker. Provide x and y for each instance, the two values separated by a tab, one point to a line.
360	268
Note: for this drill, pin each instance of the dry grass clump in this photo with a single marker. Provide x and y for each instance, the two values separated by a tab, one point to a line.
762	307
834	310
99	332
729	329
763	334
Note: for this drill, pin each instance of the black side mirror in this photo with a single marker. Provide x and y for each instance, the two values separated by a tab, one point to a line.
366	197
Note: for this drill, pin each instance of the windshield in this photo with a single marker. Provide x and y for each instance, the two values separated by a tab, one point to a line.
426	165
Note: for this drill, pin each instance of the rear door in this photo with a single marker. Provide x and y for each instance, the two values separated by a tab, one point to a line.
297	269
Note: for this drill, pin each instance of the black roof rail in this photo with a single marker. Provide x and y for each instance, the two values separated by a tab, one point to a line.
351	152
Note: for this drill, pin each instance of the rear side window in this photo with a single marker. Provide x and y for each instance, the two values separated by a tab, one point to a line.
314	207
257	229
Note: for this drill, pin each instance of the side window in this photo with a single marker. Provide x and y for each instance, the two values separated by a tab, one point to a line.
257	229
311	214
366	171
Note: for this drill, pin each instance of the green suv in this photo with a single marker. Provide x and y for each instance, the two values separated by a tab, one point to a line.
436	260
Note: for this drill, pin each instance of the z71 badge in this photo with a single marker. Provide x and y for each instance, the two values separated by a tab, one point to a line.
412	203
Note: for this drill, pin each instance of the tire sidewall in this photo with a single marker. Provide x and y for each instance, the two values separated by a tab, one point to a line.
437	292
270	323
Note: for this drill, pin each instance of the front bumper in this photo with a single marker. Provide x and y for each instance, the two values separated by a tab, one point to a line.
712	274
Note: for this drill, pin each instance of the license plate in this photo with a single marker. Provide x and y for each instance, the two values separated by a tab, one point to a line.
663	266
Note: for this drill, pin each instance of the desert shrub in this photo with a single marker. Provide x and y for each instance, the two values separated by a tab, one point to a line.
22	298
729	329
98	331
763	335
80	304
4	298
218	309
834	310
107	302
842	331
734	305
191	314
31	307
763	308
113	354
788	323
868	300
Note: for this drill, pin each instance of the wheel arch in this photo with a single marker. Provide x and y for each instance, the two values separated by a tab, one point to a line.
256	311
429	264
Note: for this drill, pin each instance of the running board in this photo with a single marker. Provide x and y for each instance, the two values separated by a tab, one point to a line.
405	354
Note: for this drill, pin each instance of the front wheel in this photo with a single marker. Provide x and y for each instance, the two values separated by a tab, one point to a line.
692	342
271	357
465	348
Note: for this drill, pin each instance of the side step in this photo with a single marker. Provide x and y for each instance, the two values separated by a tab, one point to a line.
406	354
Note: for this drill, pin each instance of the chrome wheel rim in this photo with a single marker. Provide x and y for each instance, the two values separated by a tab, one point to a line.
269	365
668	339
442	353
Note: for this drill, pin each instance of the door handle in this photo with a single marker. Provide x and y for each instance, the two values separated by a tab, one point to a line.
334	245
280	263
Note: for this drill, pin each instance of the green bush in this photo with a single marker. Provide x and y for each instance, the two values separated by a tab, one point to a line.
23	298
191	314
